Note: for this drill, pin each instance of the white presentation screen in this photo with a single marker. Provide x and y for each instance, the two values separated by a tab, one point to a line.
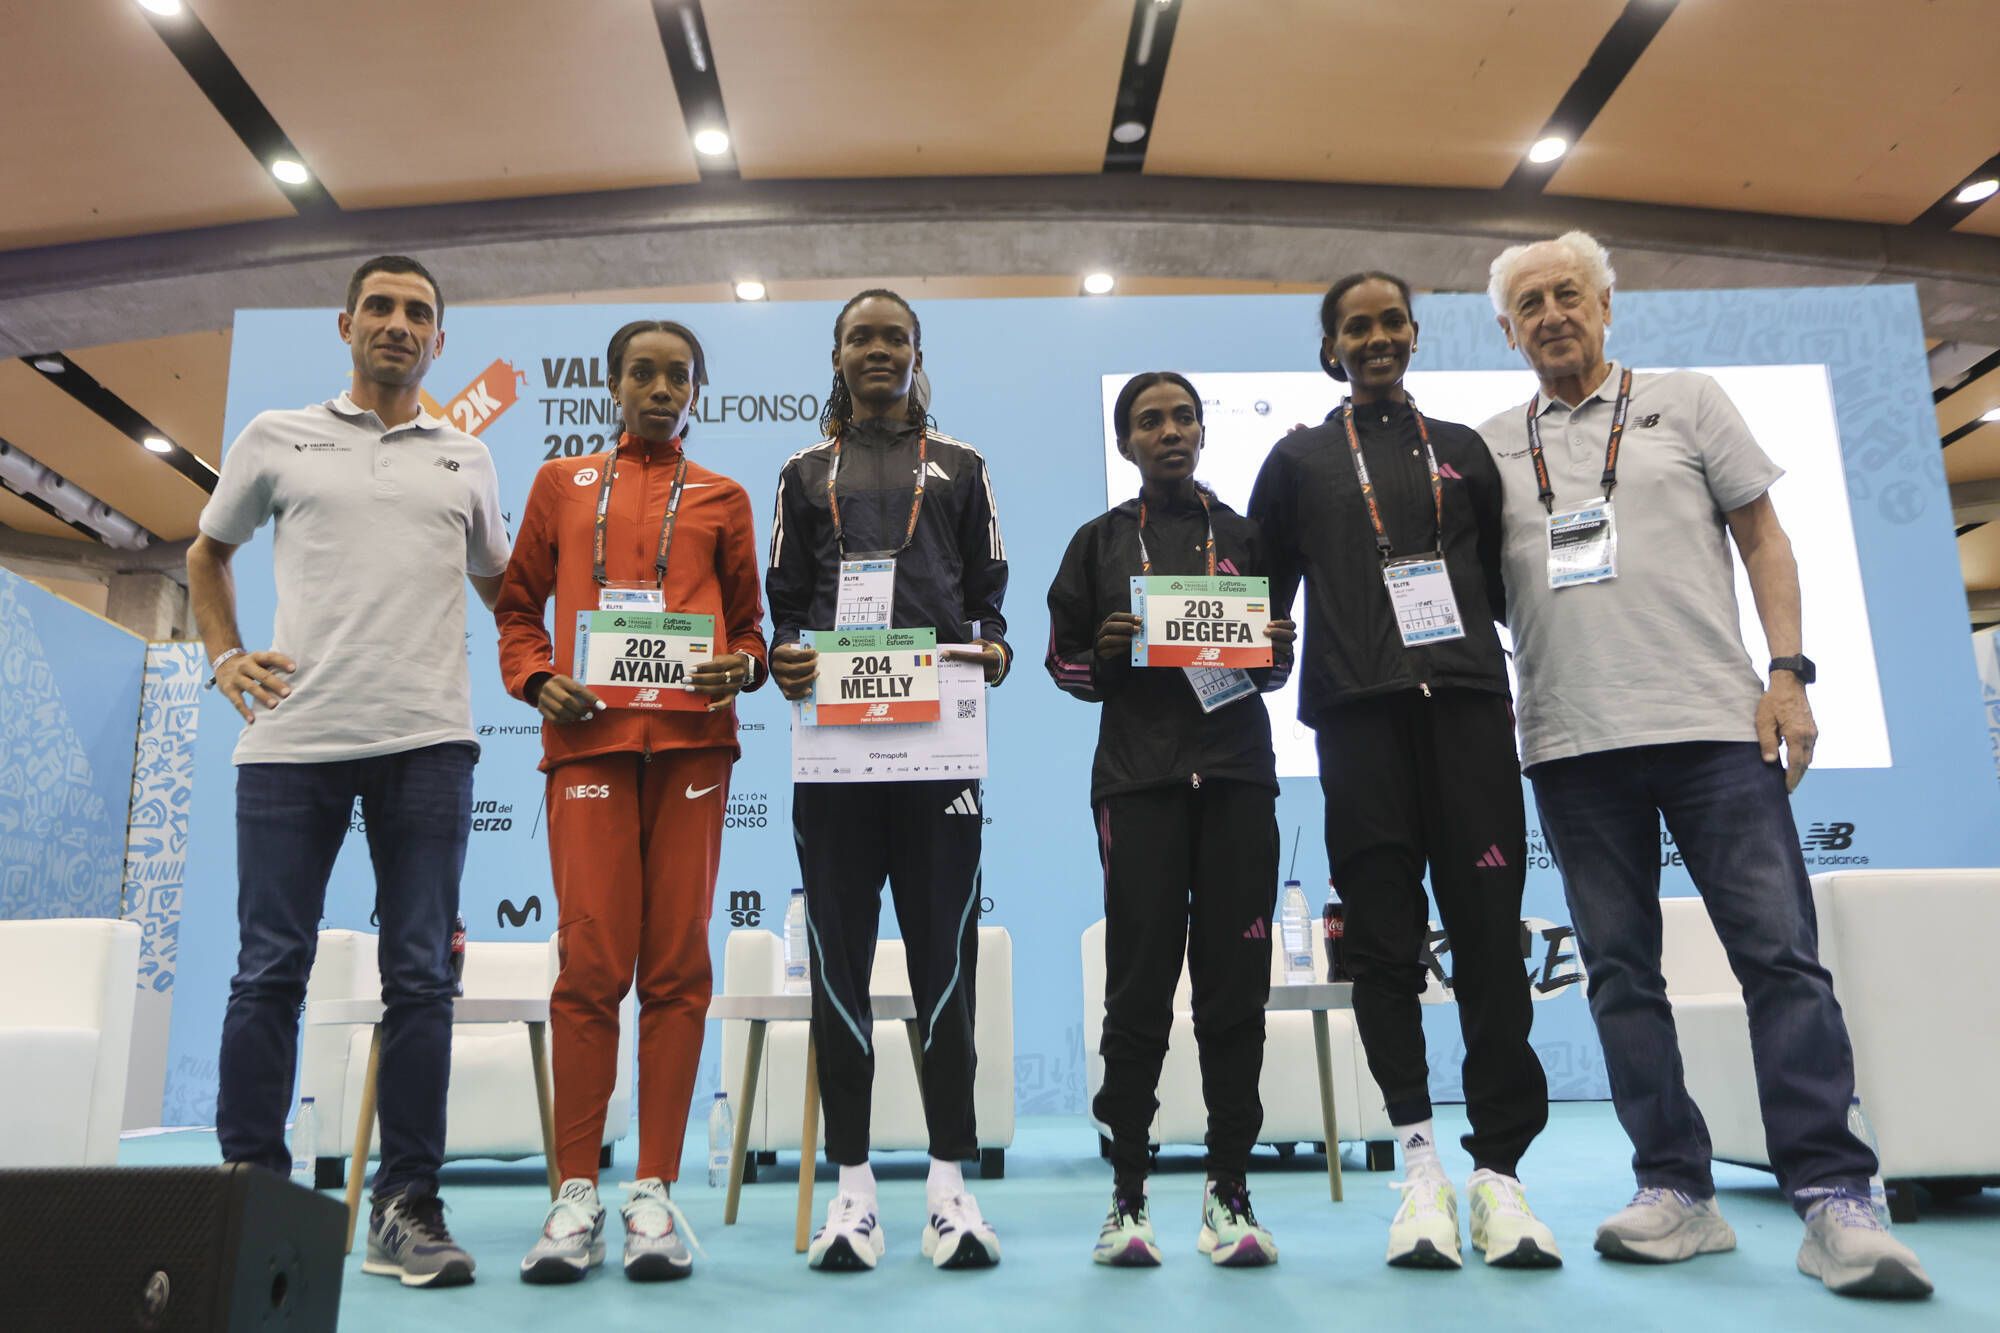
1790	411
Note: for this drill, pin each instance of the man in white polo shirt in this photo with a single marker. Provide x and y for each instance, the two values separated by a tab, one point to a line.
381	512
1620	495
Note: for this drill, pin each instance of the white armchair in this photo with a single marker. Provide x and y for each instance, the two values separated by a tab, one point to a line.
67	991
753	964
490	1111
1290	1083
1908	952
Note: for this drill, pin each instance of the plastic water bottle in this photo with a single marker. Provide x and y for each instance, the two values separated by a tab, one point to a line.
1857	1125
798	972
1295	932
721	1132
305	1143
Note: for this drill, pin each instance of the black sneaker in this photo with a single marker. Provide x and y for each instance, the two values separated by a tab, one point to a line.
407	1239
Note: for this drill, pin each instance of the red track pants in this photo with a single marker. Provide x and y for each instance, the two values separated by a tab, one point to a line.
634	843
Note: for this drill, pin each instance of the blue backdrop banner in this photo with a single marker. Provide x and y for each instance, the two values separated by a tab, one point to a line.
1023	381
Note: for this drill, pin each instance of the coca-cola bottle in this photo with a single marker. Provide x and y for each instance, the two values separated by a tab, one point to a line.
1333	924
458	955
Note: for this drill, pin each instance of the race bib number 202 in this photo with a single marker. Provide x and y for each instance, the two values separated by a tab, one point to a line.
642	659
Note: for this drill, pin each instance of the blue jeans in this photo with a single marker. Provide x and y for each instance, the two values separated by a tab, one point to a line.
1731	818
290	822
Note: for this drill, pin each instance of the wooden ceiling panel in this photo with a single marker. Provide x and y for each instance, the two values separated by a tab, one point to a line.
1355	90
918	87
55	430
395	103
1974	457
177	383
1979	556
1828	108
21	516
107	135
1974	400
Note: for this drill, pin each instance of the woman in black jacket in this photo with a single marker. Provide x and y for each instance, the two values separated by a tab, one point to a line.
1393	520
1184	801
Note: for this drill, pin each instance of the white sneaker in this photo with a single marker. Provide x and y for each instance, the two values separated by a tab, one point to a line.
1424	1231
657	1234
958	1237
572	1239
1849	1249
852	1240
1663	1226
1503	1228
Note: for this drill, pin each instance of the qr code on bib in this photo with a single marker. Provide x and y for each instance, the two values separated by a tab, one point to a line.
968	709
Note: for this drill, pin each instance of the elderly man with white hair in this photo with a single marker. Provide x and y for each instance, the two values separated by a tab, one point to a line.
1638	701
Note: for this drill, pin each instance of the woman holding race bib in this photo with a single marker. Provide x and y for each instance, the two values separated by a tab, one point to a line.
1183	791
637	745
1393	520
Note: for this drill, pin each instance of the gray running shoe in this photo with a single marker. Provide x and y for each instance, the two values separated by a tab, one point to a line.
407	1239
656	1234
572	1239
1848	1248
1663	1226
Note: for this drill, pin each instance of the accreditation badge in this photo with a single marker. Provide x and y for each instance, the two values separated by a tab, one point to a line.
867	594
1426	608
631	597
1192	620
643	659
872	676
1583	545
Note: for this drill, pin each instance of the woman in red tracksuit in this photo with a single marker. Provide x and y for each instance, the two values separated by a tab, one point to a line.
635	794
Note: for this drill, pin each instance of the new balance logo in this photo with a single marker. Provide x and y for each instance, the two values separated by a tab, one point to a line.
1647	422
1492	860
964	805
1257	931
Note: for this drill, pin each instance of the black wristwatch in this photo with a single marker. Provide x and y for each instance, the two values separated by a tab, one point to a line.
1799	665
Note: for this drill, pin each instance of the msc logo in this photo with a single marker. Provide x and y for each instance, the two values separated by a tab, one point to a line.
506	914
1829	837
588	791
746	907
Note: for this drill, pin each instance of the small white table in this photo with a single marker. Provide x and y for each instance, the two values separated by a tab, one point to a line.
533	1013
760	1011
1318	997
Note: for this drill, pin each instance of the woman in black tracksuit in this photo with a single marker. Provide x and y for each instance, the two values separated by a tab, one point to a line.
1416	756
1184	804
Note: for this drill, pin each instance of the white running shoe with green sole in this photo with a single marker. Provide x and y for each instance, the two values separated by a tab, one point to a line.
1231	1236
1504	1229
1126	1239
1424	1231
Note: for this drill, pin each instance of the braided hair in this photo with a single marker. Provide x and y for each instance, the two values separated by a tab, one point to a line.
614	355
839	409
1329	311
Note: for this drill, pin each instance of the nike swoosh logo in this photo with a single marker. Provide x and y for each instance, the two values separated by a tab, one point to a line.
694	795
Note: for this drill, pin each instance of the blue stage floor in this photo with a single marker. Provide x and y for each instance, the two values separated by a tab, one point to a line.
1047	1210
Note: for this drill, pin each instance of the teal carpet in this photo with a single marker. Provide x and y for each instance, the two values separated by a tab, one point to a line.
1047	1211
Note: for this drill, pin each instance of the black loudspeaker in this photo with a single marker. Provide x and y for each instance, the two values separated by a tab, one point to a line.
167	1249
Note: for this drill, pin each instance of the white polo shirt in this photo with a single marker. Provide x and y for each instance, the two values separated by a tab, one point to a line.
375	532
1656	654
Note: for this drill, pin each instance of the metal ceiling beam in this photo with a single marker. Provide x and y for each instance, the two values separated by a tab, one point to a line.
150	286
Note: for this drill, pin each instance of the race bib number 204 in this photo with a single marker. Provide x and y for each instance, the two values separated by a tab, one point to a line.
1189	620
872	676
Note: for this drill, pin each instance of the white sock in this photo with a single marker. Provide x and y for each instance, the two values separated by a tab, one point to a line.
1419	1142
858	1180
946	1180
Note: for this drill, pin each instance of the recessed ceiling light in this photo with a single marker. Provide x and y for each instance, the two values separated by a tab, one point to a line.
1098	284
1549	149
158	445
711	143
749	290
166	9
1128	131
1978	190
290	171
1990	414
49	365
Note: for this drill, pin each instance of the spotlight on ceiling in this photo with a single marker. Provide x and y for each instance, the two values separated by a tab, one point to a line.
711	142
1979	190
1990	414
166	9
49	365
1098	284
158	445
749	290
1549	149
1129	131
290	171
